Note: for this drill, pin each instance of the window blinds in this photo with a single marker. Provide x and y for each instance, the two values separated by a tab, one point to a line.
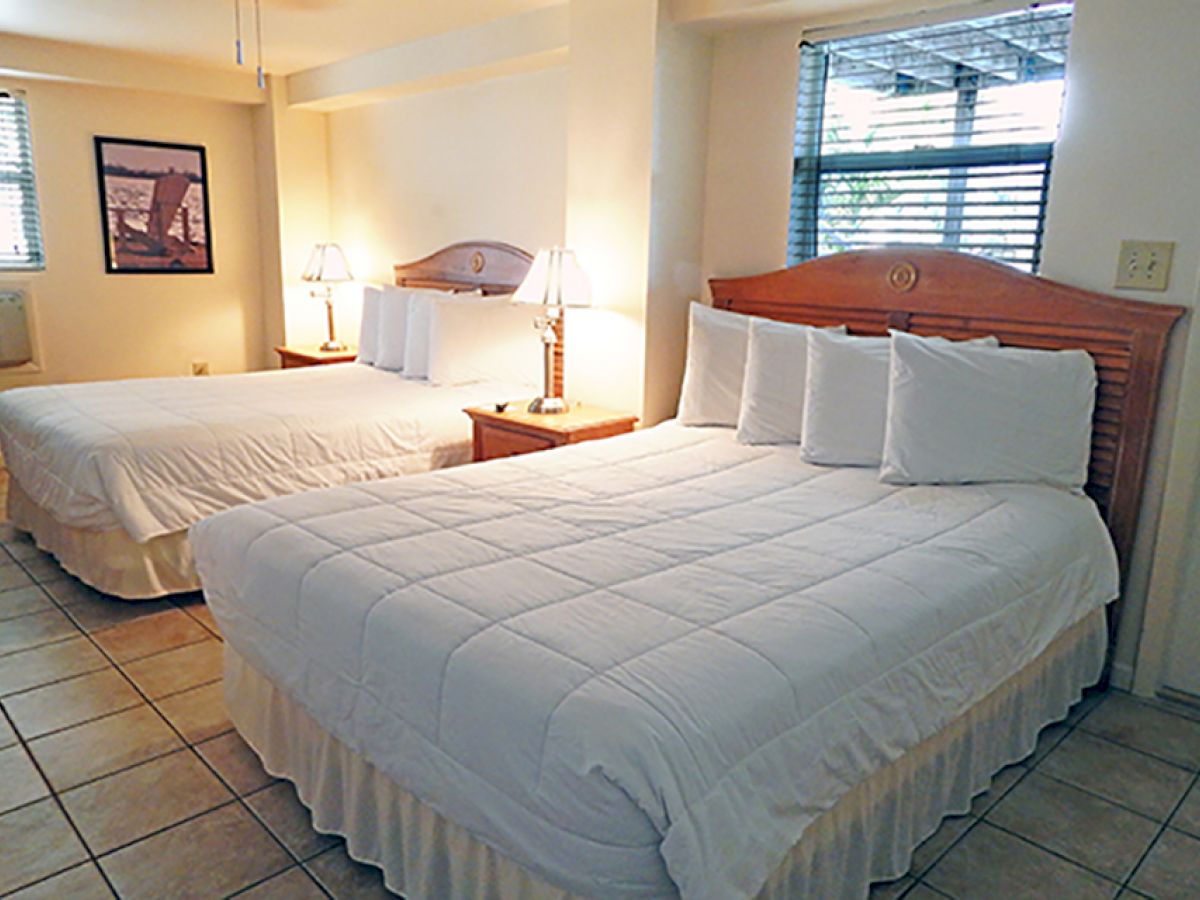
20	226
940	135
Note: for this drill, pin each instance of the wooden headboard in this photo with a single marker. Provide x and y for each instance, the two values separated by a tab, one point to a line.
938	292
488	266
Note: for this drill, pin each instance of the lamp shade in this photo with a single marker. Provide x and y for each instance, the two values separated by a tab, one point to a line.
555	279
327	263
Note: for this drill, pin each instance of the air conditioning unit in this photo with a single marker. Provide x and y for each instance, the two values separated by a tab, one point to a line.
16	345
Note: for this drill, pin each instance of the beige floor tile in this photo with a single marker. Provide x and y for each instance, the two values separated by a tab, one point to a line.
177	670
1051	736
42	567
66	703
1080	826
22	601
1188	817
1001	784
931	850
891	890
202	614
69	591
13	576
199	714
8	737
213	855
37	842
924	892
20	782
133	803
52	662
346	879
81	883
289	820
35	629
294	884
235	762
1143	784
989	864
105	612
1135	724
22	549
97	748
151	634
1171	870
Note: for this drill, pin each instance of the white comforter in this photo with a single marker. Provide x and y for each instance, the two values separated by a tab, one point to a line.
645	665
154	455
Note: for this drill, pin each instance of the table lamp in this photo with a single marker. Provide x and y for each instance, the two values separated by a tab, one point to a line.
555	281
327	266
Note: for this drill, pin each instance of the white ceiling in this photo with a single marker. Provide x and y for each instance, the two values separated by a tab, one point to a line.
297	34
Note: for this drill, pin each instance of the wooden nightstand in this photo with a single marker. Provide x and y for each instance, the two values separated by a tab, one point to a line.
515	431
297	357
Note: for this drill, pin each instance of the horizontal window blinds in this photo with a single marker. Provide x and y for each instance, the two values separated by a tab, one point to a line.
940	135
20	224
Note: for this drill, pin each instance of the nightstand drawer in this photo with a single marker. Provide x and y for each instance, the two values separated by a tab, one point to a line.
494	443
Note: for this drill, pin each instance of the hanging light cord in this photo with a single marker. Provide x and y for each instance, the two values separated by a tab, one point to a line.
262	81
237	27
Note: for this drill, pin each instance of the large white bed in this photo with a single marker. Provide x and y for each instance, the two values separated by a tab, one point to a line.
108	476
671	664
599	661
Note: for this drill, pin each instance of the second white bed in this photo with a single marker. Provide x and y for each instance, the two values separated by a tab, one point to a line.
644	666
144	459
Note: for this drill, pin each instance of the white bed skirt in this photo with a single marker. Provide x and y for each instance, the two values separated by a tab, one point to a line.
110	561
868	836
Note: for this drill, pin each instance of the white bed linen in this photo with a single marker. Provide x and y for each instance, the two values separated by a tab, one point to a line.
648	662
154	455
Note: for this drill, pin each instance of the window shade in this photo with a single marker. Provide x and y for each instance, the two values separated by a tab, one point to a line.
20	225
940	135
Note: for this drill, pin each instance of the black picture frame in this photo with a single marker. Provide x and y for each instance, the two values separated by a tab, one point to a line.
142	197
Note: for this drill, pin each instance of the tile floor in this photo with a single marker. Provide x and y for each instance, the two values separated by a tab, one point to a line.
120	773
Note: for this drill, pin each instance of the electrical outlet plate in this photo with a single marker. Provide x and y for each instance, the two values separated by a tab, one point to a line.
1144	265
200	367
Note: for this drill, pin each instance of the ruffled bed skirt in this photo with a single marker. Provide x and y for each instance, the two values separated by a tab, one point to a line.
110	561
868	836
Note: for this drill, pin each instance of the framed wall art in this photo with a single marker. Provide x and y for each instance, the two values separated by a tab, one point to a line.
154	207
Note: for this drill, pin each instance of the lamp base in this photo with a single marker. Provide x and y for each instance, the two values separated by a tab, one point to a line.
333	346
548	406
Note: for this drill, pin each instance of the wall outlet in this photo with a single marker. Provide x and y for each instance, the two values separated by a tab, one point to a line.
200	367
1144	265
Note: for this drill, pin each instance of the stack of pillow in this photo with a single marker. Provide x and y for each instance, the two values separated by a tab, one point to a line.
923	410
448	338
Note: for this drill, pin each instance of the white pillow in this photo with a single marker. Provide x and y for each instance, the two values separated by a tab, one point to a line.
772	408
960	414
420	315
716	364
846	397
368	331
490	341
391	351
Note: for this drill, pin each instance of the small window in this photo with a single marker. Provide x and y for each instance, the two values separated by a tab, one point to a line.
20	223
941	135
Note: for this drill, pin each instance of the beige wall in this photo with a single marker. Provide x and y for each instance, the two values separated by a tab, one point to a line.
97	326
481	161
1125	167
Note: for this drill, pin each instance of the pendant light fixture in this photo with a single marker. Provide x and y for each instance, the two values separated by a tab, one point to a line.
258	45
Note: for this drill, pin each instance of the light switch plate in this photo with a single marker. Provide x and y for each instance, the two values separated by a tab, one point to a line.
1144	265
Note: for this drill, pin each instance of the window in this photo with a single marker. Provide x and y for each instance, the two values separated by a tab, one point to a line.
20	226
940	135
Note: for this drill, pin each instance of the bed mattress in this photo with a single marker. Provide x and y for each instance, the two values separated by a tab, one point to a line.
645	665
152	456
